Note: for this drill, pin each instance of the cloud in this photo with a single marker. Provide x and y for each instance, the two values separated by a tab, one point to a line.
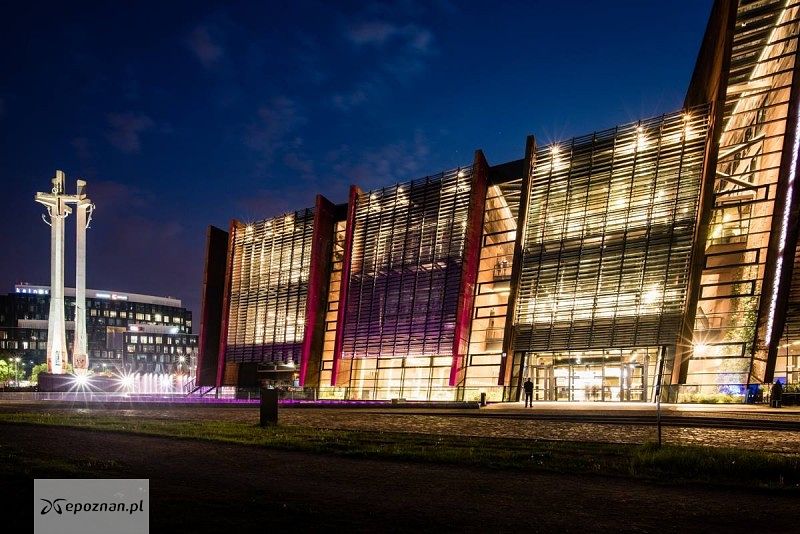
204	47
126	130
347	100
401	52
379	33
114	196
382	165
301	163
130	228
371	32
273	130
307	60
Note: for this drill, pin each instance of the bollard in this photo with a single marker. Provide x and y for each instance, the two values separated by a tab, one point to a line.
269	407
483	398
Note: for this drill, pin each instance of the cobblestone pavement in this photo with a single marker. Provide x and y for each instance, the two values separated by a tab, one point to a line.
465	424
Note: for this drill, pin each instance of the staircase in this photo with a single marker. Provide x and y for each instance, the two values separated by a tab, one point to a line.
192	389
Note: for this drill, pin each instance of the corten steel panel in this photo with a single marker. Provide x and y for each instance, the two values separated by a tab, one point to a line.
507	358
472	252
316	301
406	268
269	288
341	316
783	237
226	297
212	306
728	339
709	82
608	238
705	211
710	76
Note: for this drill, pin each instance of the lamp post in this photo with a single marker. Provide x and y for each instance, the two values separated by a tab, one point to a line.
16	369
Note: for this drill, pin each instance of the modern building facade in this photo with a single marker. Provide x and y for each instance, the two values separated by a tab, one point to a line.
127	333
661	252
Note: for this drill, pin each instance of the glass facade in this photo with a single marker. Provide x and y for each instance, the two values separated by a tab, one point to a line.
268	289
402	295
788	359
610	224
492	291
656	252
327	389
126	333
608	237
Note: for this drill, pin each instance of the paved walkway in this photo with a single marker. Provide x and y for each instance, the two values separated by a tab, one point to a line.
507	422
740	411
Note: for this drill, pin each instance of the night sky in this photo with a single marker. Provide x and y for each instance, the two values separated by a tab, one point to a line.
184	114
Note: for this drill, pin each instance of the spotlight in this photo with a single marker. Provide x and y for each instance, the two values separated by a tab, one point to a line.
126	381
81	380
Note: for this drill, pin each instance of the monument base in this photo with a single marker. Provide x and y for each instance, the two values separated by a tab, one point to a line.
70	382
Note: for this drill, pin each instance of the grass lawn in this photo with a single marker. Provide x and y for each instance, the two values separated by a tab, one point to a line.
669	463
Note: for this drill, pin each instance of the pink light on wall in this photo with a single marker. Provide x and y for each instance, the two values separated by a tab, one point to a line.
341	314
471	259
317	282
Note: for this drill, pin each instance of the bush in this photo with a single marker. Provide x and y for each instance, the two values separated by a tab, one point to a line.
712	398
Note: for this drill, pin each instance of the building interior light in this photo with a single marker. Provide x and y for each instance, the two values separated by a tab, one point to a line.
641	139
651	296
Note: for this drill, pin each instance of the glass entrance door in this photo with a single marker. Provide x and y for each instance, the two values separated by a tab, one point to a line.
583	379
543	383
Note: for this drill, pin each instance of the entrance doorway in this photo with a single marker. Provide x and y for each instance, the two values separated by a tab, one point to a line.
589	376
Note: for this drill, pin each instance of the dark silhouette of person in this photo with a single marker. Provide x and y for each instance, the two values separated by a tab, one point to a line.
528	385
776	394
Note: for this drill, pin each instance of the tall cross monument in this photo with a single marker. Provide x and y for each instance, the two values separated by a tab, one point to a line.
83	216
57	204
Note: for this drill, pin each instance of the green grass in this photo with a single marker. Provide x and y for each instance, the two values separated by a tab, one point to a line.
669	463
14	461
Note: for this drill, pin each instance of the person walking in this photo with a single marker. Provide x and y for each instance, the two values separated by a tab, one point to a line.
528	393
776	394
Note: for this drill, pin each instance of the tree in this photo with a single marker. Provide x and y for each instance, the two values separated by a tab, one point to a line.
6	372
41	368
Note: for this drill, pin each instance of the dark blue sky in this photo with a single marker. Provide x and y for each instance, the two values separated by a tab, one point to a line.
184	114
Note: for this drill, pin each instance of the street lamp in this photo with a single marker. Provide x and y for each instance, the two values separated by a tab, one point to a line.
16	369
